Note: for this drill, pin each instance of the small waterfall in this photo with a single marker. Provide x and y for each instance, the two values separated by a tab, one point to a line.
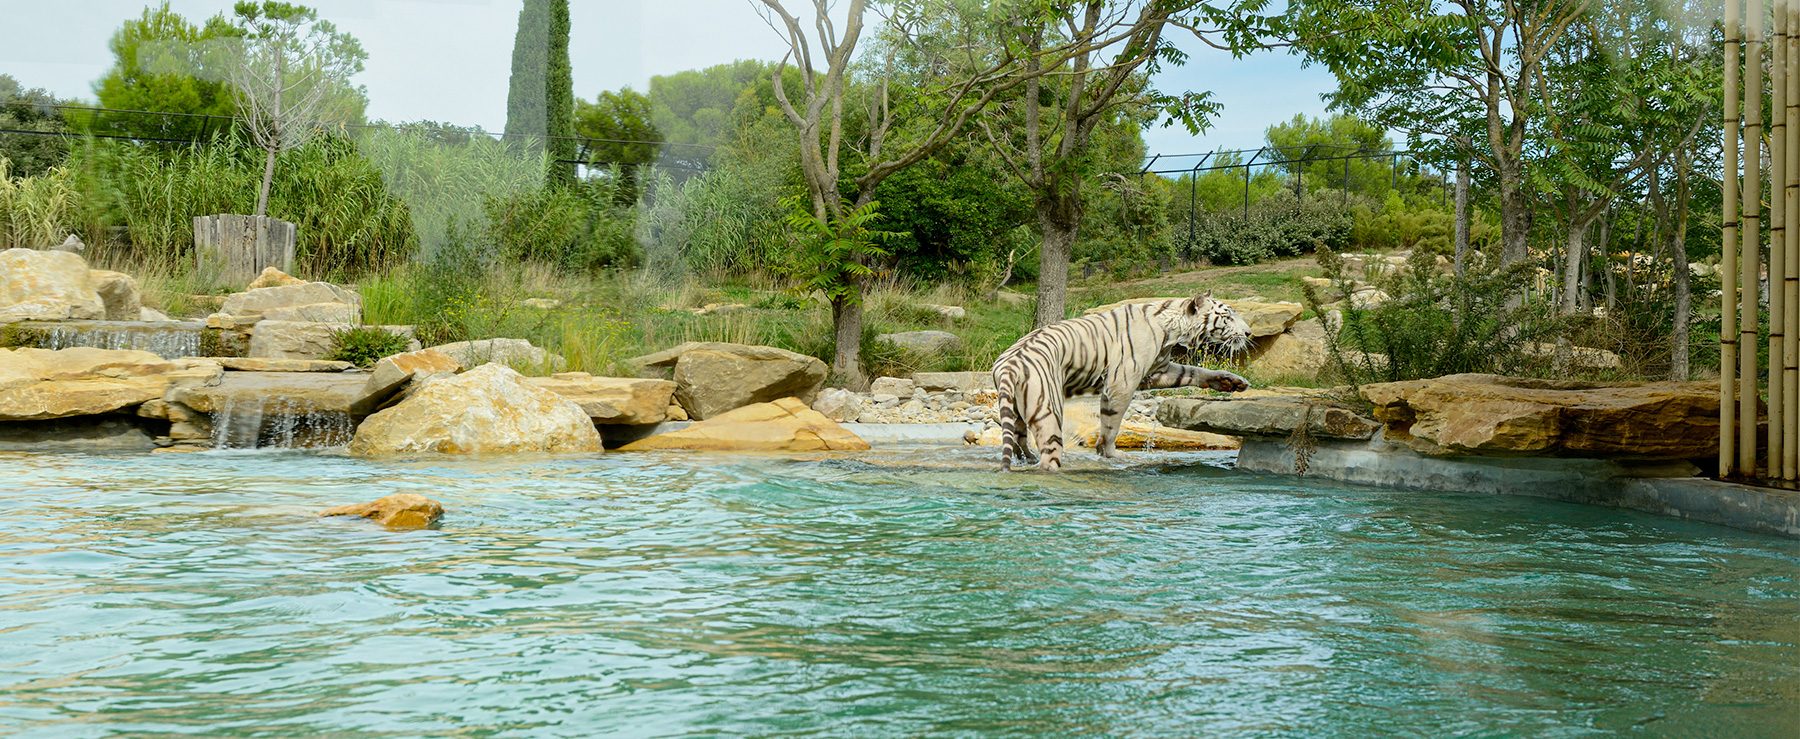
279	423
164	339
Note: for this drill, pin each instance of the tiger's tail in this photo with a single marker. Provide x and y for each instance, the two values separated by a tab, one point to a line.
1009	418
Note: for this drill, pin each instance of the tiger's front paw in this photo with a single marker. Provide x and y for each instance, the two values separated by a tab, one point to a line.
1226	382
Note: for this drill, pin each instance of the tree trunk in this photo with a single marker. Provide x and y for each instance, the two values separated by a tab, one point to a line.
847	322
1059	220
262	195
1515	215
1462	217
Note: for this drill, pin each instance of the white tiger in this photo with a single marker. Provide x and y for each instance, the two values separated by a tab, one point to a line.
1114	354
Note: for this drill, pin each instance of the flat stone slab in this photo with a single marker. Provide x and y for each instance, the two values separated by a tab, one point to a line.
281	393
612	400
937	382
1265	417
261	364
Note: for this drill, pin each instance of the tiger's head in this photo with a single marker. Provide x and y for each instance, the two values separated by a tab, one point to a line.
1208	326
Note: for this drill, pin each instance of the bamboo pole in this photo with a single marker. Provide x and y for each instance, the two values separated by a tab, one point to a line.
1778	325
1750	262
1790	373
1728	267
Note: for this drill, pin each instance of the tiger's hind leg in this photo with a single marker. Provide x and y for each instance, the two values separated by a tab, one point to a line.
1114	402
1046	430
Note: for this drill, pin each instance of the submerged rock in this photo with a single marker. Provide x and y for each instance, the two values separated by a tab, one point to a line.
46	285
784	425
626	400
399	511
488	409
714	377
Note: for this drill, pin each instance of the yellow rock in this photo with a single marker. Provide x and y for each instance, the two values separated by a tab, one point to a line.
783	425
401	511
39	384
489	409
272	277
1491	414
627	400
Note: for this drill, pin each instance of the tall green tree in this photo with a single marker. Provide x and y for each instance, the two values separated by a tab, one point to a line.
164	63
1320	151
540	98
1463	77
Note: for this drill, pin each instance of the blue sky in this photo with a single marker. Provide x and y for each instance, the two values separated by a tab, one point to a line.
448	60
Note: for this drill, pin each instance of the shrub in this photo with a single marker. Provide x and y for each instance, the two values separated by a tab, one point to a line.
1280	226
1432	323
363	346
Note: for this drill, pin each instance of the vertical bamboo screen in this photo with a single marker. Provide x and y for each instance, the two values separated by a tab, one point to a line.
1747	50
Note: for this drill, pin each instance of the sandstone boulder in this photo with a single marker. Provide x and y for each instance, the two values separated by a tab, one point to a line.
1299	352
784	425
391	373
895	386
401	511
272	277
1266	416
152	315
924	342
489	409
39	384
626	400
259	364
838	404
294	339
48	286
1494	415
715	377
297	302
952	312
937	382
119	294
516	353
1081	426
275	393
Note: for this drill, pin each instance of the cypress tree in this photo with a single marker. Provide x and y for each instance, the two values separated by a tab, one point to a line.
541	98
559	91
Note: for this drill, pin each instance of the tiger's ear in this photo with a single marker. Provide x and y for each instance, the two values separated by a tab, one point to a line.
1195	302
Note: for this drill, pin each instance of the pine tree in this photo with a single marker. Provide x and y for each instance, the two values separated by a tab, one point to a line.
541	97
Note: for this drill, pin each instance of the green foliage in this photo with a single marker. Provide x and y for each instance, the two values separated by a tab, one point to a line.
1280	226
363	346
162	62
34	153
617	117
1306	145
540	95
708	107
577	227
727	219
1432	323
559	97
448	177
35	212
956	213
834	253
348	223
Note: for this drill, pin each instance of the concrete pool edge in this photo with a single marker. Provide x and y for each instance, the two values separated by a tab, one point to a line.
1659	488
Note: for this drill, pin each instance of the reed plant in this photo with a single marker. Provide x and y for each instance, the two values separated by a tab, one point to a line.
35	212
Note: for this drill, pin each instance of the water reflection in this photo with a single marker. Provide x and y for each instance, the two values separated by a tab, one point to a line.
884	594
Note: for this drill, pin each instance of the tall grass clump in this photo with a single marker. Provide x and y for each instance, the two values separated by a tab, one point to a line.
37	211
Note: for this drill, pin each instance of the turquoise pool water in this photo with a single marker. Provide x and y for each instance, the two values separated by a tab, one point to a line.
890	594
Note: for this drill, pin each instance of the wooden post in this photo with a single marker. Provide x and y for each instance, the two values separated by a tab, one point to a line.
1750	262
1777	238
236	248
1728	267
